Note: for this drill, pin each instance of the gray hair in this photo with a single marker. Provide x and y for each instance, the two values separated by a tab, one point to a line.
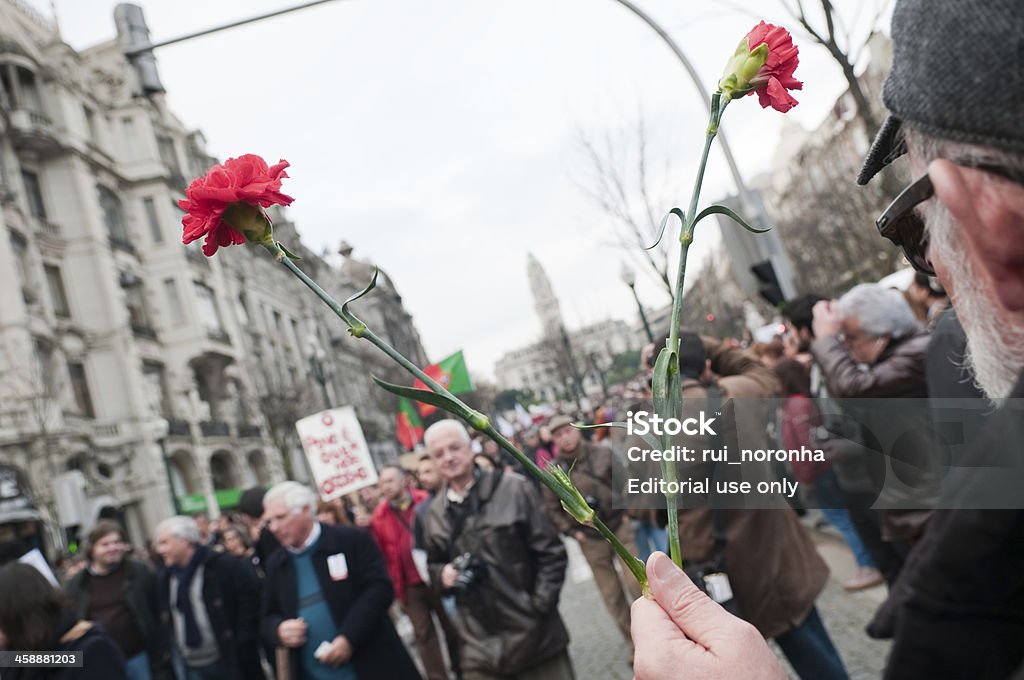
179	526
449	425
296	496
880	311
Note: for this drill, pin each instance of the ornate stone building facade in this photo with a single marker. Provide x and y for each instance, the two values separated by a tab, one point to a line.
130	364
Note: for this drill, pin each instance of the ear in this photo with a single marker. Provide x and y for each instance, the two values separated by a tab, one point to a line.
990	216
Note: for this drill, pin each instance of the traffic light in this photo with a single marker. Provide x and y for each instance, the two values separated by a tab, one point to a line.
768	283
133	33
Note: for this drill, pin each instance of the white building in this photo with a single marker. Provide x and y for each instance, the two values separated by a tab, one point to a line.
128	362
546	367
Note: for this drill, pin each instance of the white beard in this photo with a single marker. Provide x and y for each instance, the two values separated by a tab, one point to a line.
995	337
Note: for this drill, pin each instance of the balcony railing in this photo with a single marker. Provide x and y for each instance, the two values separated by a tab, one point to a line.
219	336
246	430
178	428
122	244
144	331
214	428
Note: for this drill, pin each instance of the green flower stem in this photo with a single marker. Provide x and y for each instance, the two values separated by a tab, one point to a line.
358	327
668	470
567	496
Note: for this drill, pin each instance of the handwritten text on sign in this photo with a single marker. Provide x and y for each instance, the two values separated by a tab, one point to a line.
337	452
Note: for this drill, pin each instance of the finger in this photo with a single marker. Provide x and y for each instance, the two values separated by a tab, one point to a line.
660	648
696	615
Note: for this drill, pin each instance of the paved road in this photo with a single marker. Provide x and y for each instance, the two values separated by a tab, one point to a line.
599	651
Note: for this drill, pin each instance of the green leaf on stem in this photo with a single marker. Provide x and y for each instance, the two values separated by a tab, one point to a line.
289	254
722	210
664	225
426	396
370	286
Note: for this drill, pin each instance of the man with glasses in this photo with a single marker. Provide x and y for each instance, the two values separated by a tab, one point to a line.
957	102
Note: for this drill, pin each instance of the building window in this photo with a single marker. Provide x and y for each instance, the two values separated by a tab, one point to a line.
90	124
129	138
135	301
209	314
243	310
80	389
113	217
34	194
44	365
30	99
156	387
168	155
149	206
58	294
19	246
174	302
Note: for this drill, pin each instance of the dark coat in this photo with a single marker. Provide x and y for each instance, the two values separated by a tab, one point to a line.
509	621
774	569
897	449
358	604
140	596
101	658
231	593
957	609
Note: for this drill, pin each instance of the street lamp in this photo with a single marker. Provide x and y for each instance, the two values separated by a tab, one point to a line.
316	366
629	278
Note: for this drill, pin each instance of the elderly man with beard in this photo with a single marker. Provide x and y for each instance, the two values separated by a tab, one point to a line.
959	601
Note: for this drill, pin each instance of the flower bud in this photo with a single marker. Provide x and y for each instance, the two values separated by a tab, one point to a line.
742	68
251	220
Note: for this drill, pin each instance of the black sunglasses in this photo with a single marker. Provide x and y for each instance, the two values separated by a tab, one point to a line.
904	227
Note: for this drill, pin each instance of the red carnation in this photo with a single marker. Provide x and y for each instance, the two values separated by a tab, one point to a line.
226	205
775	79
764	62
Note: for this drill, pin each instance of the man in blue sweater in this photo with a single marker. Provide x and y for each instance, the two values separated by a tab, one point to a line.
327	595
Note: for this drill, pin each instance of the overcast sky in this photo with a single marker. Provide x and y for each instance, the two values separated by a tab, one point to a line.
440	138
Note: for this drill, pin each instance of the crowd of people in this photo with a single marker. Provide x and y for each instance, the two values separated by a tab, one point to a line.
474	552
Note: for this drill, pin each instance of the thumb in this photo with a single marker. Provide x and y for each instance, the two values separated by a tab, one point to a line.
697	615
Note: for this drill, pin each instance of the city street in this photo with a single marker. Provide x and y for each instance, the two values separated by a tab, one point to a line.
599	652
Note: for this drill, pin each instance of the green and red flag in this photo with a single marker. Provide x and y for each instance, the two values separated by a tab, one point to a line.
409	429
453	375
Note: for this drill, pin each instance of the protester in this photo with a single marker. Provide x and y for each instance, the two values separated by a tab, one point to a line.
327	594
774	569
958	601
927	298
121	594
250	512
800	417
870	347
369	497
599	476
210	601
490	543
36	617
392	527
328	512
236	542
207	533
